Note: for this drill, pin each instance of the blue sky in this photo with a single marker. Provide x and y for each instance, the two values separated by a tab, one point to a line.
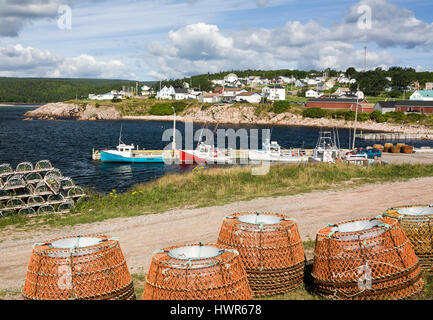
149	40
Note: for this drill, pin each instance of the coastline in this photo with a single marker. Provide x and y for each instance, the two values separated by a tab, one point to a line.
222	114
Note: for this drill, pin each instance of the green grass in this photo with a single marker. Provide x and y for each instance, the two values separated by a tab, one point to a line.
211	187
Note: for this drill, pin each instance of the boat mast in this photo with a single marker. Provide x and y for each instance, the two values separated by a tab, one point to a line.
356	120
173	147
120	134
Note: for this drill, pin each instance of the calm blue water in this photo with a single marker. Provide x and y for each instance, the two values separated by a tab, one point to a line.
68	145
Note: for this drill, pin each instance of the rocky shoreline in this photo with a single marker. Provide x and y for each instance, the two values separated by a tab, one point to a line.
220	113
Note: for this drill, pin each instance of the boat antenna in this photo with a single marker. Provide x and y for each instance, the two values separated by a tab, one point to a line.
120	134
356	119
201	135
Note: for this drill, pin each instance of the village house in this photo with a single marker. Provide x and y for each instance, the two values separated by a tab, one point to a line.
251	97
145	90
274	93
313	94
228	93
422	95
424	107
166	93
206	97
429	86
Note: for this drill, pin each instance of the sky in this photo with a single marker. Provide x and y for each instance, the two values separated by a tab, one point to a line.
154	40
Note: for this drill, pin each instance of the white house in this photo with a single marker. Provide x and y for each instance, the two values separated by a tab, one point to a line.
422	95
251	97
181	94
145	90
166	93
360	95
232	92
271	93
218	82
209	97
313	94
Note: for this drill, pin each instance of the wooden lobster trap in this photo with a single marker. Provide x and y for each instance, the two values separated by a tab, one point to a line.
196	272
81	268
270	248
417	223
366	259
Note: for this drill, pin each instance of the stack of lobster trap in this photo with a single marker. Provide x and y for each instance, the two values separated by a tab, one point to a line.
417	223
35	190
78	268
270	248
366	260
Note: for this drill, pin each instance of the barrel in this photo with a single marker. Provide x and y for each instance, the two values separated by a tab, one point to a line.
407	149
388	147
396	149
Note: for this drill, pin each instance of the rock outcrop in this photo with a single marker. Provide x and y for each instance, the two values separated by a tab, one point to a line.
218	113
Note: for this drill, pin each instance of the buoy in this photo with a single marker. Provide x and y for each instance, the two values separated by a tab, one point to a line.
270	248
78	268
370	259
196	272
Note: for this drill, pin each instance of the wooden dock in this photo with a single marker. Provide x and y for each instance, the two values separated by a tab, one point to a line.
397	136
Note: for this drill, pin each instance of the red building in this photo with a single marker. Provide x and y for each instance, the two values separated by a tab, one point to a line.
340	104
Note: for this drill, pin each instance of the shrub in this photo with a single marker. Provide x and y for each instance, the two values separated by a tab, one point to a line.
415	117
116	100
375	114
161	109
396	115
179	106
363	116
97	105
281	106
314	113
381	118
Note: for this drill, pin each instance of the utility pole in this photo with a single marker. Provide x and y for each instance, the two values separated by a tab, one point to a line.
356	120
365	58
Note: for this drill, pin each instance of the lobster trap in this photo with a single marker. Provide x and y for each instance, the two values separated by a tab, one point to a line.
417	223
270	248
81	268
196	272
366	260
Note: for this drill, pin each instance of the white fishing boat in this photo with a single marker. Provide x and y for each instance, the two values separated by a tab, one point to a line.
272	152
326	148
204	153
358	159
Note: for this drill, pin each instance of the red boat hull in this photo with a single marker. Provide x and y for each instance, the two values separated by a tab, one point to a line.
186	157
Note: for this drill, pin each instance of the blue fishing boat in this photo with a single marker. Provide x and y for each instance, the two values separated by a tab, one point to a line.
126	154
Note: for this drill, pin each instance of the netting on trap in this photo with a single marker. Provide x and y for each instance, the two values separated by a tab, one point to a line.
76	192
15	182
5	170
82	268
35	201
65	207
417	223
270	248
34	178
43	165
27	211
366	259
67	183
42	189
24	167
196	272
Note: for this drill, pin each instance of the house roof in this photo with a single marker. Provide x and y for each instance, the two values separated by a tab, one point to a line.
246	94
180	90
334	100
405	103
425	93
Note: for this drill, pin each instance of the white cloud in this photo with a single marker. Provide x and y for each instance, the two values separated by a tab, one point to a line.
16	60
200	47
15	14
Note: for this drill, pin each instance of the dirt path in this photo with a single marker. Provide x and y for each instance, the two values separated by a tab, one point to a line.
140	236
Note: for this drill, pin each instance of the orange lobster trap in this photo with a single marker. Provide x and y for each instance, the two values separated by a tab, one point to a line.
270	248
366	259
81	268
196	272
417	223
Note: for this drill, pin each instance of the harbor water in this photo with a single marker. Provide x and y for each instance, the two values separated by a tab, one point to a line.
68	145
